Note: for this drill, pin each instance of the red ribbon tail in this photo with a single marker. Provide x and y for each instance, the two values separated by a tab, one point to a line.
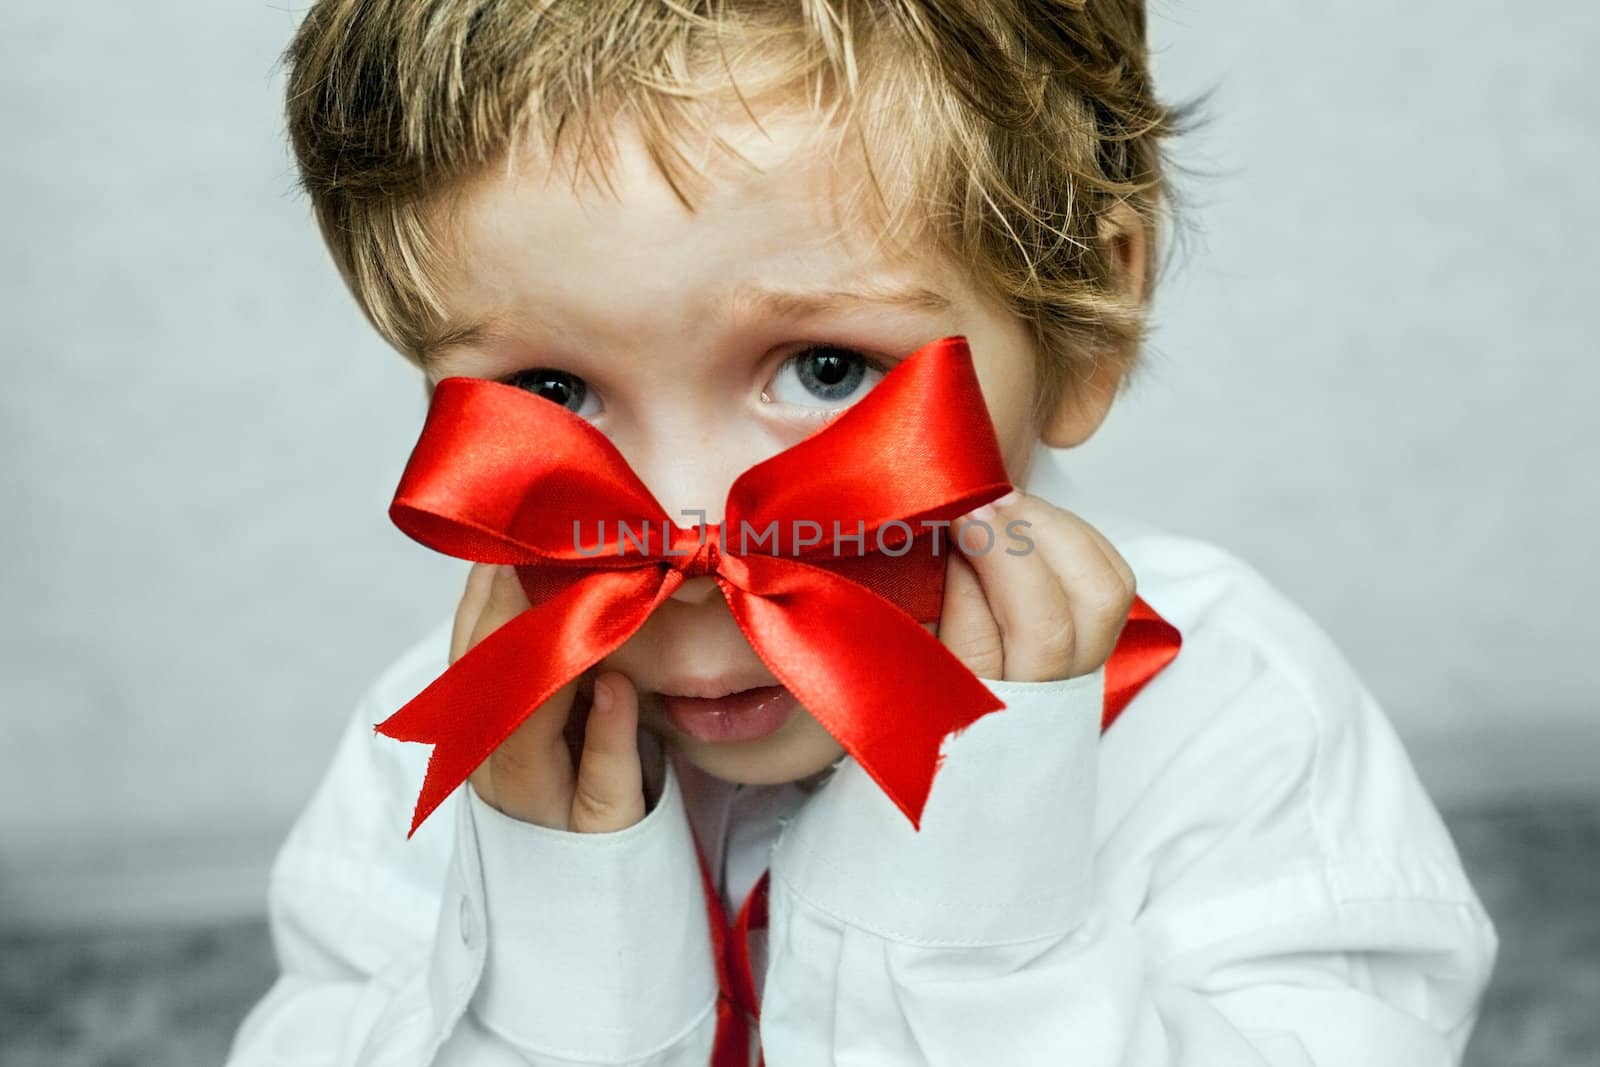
472	707
883	686
467	711
1146	645
731	1045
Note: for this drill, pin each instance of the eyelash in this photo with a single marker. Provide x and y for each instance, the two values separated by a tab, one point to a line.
819	414
876	362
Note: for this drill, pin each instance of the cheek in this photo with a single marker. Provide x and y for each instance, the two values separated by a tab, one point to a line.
1018	455
1011	410
1005	366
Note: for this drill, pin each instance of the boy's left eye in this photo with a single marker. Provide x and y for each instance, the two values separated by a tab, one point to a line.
824	376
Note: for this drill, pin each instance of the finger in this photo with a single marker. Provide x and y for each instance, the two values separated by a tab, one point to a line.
1099	583
966	625
480	578
1129	582
530	774
609	794
1025	595
1113	558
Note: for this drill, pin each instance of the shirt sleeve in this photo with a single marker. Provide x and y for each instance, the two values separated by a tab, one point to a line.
482	940
1262	882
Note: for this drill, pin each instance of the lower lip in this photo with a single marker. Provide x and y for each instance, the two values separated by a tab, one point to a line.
744	716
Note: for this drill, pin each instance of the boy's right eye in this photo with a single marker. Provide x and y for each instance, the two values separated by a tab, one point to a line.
557	386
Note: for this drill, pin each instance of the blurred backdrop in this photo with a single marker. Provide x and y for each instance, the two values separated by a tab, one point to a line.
1373	377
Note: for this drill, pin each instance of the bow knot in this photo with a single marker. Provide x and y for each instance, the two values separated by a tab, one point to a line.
502	476
697	551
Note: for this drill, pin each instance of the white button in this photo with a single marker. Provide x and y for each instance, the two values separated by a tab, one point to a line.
466	922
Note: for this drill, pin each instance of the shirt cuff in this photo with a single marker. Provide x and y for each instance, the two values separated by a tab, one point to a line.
598	944
1005	850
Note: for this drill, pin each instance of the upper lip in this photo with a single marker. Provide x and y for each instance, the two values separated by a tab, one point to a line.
711	688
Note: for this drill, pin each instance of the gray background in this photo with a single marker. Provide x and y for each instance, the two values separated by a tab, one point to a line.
1372	379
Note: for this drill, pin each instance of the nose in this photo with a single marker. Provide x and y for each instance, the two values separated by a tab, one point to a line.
689	455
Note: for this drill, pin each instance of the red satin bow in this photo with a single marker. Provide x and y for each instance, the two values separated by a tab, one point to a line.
502	476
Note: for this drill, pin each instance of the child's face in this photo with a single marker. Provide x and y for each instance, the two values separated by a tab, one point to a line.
701	344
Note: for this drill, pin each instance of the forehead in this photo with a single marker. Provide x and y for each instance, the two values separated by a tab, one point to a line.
615	253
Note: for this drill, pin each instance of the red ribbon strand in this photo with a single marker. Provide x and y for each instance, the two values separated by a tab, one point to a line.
502	476
831	603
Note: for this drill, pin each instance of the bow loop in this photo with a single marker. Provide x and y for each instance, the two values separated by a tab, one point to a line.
923	451
502	476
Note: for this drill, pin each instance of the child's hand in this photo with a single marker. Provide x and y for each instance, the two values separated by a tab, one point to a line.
1052	611
531	775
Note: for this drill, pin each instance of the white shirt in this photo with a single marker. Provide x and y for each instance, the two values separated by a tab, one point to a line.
1243	870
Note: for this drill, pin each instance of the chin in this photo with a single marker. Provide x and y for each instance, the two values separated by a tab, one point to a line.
801	749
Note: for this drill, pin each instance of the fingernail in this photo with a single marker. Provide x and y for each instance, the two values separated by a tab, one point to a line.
987	512
602	697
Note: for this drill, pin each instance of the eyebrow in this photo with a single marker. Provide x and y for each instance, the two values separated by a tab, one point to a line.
463	335
747	301
759	302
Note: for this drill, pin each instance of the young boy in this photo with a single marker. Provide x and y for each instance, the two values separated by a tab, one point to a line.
708	230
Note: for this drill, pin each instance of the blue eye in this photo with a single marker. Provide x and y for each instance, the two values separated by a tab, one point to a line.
556	386
825	376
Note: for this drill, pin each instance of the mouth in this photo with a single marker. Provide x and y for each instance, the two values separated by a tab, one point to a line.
747	715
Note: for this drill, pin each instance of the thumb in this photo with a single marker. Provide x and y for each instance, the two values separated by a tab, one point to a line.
609	794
